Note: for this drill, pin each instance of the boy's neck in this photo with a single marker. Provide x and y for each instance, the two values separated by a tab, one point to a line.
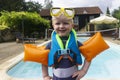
64	37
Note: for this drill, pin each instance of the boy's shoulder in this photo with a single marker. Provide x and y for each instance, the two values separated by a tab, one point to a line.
79	43
48	46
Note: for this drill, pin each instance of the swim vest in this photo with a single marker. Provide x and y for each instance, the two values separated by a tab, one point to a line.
71	44
90	49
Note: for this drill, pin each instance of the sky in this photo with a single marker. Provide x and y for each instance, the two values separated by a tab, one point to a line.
102	4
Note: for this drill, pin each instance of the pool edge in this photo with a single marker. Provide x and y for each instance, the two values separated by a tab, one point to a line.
4	67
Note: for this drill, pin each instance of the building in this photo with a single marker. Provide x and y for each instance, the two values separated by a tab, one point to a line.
82	15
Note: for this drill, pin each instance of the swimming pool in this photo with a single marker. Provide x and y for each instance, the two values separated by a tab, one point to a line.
103	66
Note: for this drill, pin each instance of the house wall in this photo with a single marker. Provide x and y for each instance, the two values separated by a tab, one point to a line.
83	20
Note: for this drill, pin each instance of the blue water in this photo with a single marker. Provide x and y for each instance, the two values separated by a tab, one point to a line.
106	64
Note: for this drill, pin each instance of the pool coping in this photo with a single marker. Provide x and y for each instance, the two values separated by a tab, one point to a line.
4	67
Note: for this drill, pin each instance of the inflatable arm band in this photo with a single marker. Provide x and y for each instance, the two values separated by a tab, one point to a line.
93	46
36	54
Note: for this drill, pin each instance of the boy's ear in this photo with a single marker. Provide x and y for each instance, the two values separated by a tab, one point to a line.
52	24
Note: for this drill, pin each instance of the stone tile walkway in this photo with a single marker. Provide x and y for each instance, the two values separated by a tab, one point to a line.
9	50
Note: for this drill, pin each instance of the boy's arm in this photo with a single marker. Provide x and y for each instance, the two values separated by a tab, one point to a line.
45	73
45	68
86	66
83	71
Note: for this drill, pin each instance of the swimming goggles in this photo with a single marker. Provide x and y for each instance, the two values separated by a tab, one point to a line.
68	12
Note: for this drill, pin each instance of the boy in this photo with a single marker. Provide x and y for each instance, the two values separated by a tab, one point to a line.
64	54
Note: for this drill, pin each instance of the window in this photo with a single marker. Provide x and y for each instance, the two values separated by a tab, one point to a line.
91	17
76	20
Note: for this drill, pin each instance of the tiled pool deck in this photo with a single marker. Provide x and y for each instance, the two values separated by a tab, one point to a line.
4	67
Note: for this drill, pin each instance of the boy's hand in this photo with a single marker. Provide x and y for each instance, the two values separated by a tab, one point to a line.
79	74
47	78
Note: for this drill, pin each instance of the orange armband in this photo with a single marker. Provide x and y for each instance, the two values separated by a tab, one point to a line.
36	54
93	46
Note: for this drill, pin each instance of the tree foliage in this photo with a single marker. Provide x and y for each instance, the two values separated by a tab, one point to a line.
32	6
11	5
19	5
108	11
48	4
17	20
116	14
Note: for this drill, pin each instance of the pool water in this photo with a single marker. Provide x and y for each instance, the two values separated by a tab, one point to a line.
26	70
106	64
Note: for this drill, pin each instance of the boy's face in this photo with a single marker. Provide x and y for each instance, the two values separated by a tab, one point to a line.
62	26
